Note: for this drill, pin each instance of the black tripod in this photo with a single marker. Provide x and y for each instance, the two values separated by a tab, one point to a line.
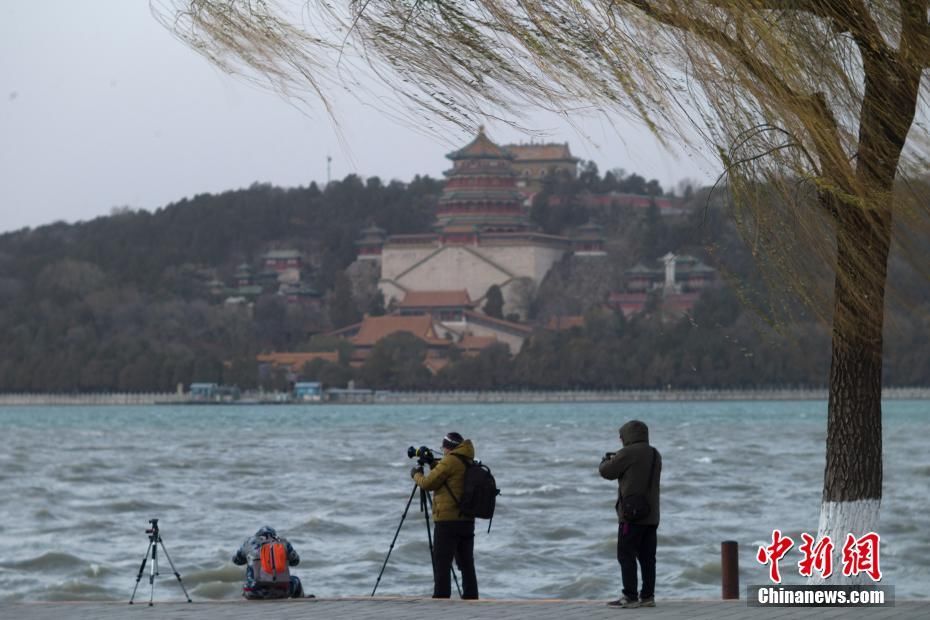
425	507
154	541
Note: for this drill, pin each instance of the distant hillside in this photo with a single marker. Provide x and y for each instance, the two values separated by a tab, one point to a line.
135	301
219	231
122	302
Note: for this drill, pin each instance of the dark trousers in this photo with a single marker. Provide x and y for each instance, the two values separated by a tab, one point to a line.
454	539
257	592
637	542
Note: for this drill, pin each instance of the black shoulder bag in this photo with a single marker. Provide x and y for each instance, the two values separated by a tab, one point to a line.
636	507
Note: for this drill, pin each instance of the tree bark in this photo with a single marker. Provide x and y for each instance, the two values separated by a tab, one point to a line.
854	422
853	476
852	488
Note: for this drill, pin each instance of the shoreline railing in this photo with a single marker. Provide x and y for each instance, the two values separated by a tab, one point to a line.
361	396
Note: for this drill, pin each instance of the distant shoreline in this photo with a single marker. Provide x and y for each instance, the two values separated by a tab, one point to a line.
457	397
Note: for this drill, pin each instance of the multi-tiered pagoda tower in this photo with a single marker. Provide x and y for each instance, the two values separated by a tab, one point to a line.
482	237
481	192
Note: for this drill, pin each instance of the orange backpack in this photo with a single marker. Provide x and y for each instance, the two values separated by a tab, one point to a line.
270	569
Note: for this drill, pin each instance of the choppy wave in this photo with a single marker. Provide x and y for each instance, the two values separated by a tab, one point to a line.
324	527
216	591
43	514
228	573
562	533
128	505
49	561
545	489
96	571
75	528
577	588
707	573
80	590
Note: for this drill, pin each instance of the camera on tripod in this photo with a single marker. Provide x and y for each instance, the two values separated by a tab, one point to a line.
423	455
154	528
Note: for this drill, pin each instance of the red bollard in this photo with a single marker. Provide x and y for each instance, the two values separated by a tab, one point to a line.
729	569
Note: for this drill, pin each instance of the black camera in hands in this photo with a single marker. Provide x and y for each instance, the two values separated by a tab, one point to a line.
423	455
609	455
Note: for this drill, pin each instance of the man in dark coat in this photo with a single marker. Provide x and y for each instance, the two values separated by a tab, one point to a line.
632	467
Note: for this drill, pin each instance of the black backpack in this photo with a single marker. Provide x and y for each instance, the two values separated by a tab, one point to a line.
480	495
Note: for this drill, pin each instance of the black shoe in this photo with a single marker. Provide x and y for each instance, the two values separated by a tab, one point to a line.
624	603
647	602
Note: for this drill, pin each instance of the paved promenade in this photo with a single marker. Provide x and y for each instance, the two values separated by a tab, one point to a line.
413	608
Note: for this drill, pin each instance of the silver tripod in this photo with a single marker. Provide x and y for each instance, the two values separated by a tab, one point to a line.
152	551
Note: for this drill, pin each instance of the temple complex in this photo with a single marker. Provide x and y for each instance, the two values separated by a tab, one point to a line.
534	162
676	282
482	236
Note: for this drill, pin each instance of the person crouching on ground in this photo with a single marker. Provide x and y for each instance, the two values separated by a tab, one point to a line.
268	558
636	468
453	533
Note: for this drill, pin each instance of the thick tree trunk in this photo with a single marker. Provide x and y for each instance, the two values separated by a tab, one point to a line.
852	490
853	477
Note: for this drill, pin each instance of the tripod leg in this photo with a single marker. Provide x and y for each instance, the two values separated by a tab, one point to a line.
176	573
141	570
429	504
425	507
153	571
404	516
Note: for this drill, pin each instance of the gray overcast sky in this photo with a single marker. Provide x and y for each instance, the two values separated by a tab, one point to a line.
102	107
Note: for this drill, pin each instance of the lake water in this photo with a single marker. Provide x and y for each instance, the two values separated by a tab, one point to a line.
79	485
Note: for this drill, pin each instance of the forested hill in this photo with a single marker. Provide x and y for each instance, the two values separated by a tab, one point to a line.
120	302
151	251
124	302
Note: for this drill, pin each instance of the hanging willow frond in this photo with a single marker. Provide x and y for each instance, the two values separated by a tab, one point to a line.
807	102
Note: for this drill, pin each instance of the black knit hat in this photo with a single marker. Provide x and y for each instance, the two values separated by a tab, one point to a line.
452	440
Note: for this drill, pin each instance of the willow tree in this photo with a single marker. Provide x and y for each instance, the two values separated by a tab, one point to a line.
809	104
